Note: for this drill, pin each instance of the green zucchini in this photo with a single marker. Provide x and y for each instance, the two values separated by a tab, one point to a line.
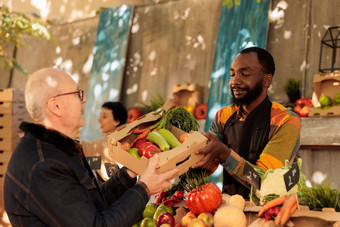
169	137
158	139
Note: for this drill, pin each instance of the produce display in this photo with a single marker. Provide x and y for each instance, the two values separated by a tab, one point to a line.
202	204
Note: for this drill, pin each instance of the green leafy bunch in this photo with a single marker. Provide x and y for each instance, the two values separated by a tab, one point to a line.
320	196
291	85
13	27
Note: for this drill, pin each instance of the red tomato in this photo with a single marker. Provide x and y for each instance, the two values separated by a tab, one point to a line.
303	102
150	151
304	111
143	146
204	198
138	143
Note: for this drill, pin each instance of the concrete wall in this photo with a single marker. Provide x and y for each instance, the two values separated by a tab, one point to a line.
66	10
294	39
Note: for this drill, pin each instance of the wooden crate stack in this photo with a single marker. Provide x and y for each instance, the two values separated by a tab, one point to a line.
12	113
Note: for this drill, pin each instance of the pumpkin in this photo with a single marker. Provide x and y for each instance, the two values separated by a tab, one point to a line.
204	198
237	201
225	199
229	216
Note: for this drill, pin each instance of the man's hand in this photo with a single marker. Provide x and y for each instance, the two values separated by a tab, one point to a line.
214	150
154	181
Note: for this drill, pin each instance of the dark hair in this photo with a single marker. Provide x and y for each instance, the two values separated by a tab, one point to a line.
119	111
264	57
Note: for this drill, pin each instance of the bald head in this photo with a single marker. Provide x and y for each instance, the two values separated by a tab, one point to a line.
42	85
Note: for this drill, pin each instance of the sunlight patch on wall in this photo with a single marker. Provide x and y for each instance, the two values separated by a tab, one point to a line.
76	41
154	72
152	55
57	62
113	94
88	64
76	14
277	16
135	24
115	65
62	9
287	35
144	95
105	76
97	91
132	89
186	14
218	73
318	177
57	50
67	65
43	6
75	77
304	66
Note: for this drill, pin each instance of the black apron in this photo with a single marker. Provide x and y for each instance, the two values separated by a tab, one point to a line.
247	138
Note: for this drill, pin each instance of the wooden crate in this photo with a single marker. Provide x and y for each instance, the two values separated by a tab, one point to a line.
12	95
3	168
12	108
5	155
6	144
13	119
9	131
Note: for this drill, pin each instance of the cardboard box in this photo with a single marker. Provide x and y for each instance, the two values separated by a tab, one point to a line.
302	217
181	157
189	94
325	84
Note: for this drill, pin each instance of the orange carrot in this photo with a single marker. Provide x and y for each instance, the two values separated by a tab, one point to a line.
273	203
142	135
287	210
137	131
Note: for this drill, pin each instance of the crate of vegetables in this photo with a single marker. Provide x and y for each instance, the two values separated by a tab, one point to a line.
133	144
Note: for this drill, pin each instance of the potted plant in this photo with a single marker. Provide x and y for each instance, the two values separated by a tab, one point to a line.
292	89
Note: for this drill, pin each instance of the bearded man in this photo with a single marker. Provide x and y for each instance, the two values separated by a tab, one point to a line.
253	130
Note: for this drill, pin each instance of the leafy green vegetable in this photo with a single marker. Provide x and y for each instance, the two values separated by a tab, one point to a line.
178	117
320	196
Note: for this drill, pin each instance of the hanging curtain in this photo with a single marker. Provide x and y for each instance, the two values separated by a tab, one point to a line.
109	57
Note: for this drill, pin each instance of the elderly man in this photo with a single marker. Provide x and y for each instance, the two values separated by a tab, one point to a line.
48	181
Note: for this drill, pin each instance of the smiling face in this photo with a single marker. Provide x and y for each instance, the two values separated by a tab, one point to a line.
248	81
107	121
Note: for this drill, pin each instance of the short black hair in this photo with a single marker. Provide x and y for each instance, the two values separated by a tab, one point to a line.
119	111
264	57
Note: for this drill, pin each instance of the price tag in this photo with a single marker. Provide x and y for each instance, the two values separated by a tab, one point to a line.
110	169
251	176
292	176
94	162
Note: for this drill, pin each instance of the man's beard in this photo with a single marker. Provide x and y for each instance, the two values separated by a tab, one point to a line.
250	96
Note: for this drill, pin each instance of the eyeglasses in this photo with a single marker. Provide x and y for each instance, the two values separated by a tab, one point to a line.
80	94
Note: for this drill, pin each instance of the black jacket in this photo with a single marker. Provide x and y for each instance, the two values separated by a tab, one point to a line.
49	183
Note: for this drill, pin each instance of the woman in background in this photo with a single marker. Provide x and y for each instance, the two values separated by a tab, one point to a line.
112	115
